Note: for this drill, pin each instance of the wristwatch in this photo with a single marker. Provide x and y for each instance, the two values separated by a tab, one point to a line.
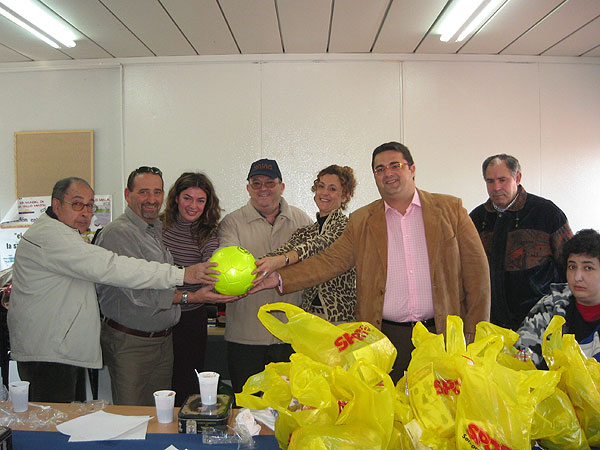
184	296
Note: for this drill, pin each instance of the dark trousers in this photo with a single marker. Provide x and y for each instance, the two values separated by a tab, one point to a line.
53	382
189	348
247	360
401	337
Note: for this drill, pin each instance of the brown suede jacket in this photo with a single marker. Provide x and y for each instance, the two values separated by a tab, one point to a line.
460	277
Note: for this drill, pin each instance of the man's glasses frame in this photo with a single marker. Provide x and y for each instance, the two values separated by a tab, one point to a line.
256	185
78	206
395	166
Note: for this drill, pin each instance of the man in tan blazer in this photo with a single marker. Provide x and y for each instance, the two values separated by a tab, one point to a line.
418	257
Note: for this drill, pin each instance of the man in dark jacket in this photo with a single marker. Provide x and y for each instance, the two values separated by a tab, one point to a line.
522	235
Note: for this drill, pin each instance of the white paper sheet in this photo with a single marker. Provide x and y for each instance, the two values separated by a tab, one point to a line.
103	426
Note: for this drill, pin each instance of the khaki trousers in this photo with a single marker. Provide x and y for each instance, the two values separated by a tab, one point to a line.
138	366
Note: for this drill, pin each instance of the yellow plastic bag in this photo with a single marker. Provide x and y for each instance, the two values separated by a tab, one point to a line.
509	356
366	397
299	390
309	394
496	404
555	425
434	381
335	345
580	377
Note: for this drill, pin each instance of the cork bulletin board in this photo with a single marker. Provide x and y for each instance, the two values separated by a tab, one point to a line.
44	157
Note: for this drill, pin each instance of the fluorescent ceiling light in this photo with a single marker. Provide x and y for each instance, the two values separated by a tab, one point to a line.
28	28
484	14
464	16
459	13
38	17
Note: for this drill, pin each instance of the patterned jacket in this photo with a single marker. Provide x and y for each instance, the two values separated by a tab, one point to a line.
523	248
559	302
338	295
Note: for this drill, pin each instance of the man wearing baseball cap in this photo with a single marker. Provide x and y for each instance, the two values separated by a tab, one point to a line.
264	224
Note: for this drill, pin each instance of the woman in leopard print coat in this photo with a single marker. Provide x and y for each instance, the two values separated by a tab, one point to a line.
335	299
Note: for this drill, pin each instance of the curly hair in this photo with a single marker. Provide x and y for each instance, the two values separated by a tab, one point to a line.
347	180
585	242
204	226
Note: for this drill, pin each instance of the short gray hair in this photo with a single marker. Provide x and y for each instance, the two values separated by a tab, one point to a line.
62	186
511	162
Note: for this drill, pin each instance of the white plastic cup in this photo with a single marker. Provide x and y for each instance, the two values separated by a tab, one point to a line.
165	400
19	394
208	382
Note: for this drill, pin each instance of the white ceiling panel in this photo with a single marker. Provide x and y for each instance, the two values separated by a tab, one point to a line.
152	25
569	17
515	18
96	22
254	25
8	55
146	28
406	24
17	39
579	42
355	25
203	24
297	17
594	52
432	44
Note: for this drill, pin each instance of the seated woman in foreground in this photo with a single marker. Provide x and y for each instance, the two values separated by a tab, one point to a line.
578	300
335	299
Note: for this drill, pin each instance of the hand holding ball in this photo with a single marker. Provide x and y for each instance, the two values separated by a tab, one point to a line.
236	265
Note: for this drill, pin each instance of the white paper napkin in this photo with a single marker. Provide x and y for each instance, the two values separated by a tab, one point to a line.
103	426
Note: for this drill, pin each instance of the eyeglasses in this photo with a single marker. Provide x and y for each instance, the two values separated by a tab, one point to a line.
256	185
393	166
78	206
148	169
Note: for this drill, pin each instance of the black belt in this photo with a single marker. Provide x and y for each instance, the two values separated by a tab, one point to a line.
428	323
117	326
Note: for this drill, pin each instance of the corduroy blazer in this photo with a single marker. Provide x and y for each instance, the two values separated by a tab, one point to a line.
460	278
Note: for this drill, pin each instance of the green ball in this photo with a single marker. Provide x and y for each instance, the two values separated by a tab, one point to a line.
236	265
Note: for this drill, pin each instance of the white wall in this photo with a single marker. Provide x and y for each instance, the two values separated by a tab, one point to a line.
457	114
61	99
570	140
219	118
220	114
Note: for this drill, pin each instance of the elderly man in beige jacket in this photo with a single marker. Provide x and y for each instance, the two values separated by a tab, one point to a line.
264	224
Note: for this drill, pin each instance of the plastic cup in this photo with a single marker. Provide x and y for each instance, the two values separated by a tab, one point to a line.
165	400
208	382
19	394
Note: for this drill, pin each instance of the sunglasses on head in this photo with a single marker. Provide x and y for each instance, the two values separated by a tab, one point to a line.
148	169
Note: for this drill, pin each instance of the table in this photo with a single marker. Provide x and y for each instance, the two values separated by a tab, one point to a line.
159	436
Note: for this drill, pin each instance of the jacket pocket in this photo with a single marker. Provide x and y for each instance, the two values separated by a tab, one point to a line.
68	337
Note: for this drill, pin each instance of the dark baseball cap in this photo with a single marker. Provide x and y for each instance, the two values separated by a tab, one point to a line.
266	167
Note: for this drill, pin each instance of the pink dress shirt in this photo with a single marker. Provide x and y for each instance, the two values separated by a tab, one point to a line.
408	295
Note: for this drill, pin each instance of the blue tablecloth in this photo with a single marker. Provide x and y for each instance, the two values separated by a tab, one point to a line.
47	440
